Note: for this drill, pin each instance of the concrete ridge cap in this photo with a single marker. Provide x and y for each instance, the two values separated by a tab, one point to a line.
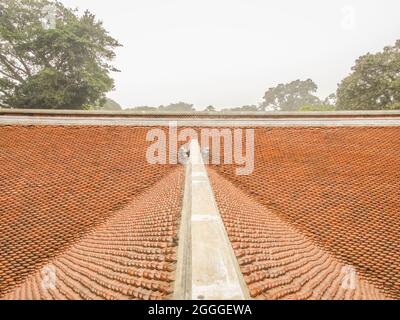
207	267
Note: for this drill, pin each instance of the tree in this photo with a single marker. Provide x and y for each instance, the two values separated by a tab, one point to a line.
248	108
142	108
322	108
331	100
61	66
109	105
374	83
178	107
291	96
210	109
329	104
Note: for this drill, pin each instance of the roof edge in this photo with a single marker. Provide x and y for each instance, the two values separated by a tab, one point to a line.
154	114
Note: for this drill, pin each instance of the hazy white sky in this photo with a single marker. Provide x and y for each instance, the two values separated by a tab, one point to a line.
226	53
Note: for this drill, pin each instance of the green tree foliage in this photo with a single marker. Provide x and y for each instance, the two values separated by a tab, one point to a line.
173	107
329	104
331	100
111	105
291	96
108	105
247	108
320	107
178	107
210	109
62	67
142	108
394	106
374	83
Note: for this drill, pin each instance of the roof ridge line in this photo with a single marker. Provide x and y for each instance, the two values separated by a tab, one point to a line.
213	272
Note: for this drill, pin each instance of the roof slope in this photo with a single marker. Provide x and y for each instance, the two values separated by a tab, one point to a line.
131	256
339	186
84	201
277	261
58	183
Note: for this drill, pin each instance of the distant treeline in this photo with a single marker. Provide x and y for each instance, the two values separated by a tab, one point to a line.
374	84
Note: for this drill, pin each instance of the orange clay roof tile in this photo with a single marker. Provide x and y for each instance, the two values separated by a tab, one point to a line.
339	187
85	200
278	262
105	264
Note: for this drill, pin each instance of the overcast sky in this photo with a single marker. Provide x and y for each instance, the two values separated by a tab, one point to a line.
226	53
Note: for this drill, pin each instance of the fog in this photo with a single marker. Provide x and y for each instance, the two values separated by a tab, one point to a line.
226	53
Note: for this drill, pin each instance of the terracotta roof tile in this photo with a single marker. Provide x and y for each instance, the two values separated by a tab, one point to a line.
124	258
277	261
85	201
339	187
57	184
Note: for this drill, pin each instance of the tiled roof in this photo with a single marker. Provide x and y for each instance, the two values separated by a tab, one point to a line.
59	183
84	200
277	261
339	187
131	256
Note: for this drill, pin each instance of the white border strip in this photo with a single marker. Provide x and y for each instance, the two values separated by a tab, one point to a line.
215	273
211	122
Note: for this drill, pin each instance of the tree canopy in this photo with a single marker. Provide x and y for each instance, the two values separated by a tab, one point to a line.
108	105
321	107
291	96
179	107
66	66
142	108
374	83
210	109
173	107
248	108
